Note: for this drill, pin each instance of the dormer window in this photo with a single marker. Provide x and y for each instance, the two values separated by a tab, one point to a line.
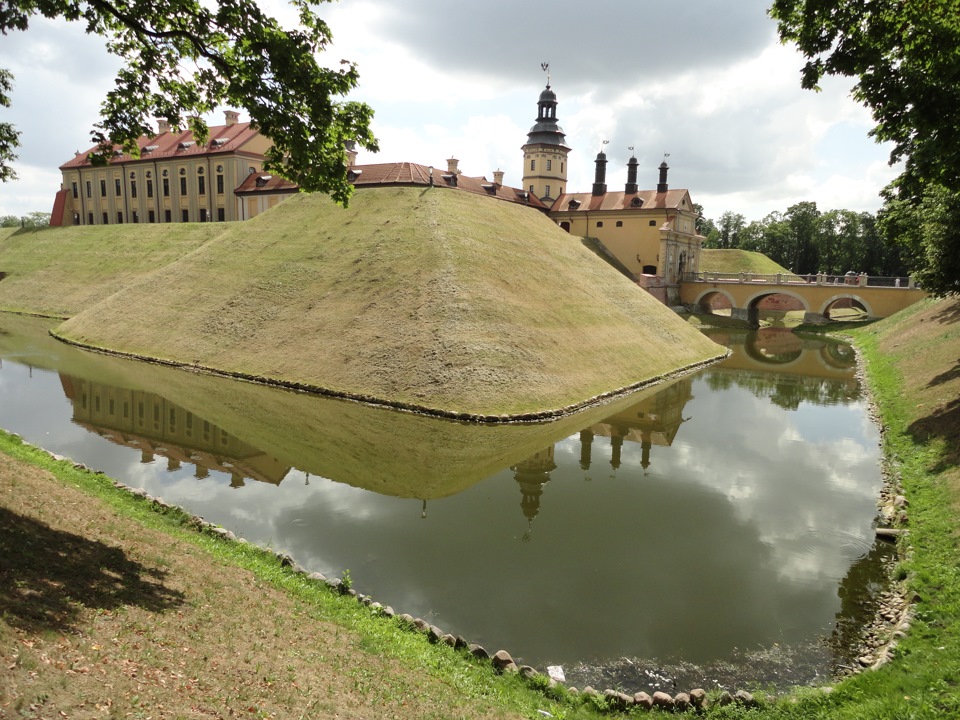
573	204
186	144
217	142
263	180
150	148
352	175
450	179
636	202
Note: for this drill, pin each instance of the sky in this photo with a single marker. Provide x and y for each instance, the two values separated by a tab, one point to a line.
704	83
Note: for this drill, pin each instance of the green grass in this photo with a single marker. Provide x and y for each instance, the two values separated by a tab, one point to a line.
58	272
735	261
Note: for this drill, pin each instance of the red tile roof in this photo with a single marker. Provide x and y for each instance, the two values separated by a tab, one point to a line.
620	200
266	184
405	173
223	139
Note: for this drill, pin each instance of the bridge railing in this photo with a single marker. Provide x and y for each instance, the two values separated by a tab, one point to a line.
849	279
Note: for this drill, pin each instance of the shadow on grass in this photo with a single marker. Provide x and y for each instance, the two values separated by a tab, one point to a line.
943	423
951	374
48	576
949	314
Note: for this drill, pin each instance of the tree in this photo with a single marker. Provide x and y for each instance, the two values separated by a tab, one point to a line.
30	220
184	58
928	231
906	59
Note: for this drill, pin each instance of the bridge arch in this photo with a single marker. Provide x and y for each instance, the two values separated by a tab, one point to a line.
825	308
752	301
702	300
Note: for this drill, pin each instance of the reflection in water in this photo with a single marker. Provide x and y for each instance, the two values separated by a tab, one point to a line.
704	524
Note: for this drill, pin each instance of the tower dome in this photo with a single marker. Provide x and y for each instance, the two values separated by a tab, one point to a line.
545	152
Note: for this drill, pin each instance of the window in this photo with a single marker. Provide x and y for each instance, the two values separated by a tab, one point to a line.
133	188
166	187
653	223
89	192
166	216
136	216
184	215
151	216
201	185
74	191
619	223
90	218
219	184
183	186
549	167
76	218
221	214
203	213
106	219
118	190
531	189
149	188
561	166
103	188
547	191
119	217
600	223
533	164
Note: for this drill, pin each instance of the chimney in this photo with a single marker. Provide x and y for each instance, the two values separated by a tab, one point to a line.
498	176
231	117
351	147
600	180
163	126
631	187
452	165
662	185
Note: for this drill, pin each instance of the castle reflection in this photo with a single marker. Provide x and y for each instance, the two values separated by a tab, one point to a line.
654	420
155	426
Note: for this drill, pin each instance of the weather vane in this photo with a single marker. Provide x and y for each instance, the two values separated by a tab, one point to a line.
545	66
602	143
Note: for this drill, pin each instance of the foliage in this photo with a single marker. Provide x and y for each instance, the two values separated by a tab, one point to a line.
928	230
30	220
184	58
807	241
906	58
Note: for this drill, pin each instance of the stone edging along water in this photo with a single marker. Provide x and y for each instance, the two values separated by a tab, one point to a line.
895	622
537	416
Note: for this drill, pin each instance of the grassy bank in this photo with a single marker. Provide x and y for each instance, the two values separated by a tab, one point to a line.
429	299
107	602
735	261
60	271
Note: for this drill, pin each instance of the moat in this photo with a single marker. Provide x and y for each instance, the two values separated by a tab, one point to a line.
720	527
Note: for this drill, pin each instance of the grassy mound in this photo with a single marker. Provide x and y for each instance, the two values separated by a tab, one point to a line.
431	298
734	261
60	271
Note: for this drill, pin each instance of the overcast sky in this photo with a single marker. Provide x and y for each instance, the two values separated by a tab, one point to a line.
705	81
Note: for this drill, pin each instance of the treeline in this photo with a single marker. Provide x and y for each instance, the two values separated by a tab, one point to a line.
807	241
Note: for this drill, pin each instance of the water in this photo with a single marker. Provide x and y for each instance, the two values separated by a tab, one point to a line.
719	529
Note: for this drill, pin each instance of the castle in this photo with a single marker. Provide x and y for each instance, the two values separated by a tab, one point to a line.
650	235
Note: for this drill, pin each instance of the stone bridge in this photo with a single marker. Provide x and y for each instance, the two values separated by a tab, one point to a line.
816	295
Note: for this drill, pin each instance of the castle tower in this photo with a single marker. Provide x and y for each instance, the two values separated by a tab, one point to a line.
545	152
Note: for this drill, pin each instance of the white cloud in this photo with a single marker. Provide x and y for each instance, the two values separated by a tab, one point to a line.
706	82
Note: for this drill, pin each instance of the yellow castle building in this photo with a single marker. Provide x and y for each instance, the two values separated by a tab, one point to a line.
651	234
175	179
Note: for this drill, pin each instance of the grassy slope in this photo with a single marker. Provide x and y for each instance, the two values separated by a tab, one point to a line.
734	261
429	297
60	271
